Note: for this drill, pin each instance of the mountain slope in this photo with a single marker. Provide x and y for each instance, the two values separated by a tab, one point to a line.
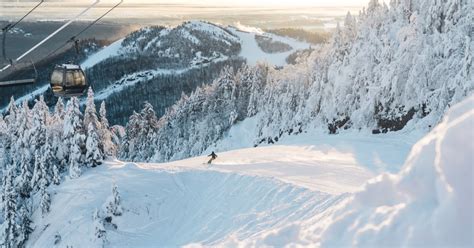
241	194
278	196
390	69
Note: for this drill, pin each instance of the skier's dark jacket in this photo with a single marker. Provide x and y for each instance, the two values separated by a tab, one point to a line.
213	155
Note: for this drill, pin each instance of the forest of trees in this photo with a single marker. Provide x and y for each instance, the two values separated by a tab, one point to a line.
268	45
195	121
313	37
39	148
163	90
383	72
164	48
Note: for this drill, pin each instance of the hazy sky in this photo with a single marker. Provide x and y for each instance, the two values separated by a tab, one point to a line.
264	2
267	2
316	3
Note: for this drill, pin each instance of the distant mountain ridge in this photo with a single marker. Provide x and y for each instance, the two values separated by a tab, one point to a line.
394	67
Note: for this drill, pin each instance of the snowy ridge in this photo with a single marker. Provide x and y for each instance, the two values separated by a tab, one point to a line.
162	41
213	29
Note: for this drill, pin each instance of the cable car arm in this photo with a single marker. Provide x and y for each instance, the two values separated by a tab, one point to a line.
53	34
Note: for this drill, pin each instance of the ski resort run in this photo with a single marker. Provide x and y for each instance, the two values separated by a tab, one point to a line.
304	191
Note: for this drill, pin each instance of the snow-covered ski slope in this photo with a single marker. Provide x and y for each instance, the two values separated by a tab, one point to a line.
304	191
246	36
253	53
243	193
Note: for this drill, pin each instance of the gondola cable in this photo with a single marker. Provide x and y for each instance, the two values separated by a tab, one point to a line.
74	37
9	27
69	80
32	81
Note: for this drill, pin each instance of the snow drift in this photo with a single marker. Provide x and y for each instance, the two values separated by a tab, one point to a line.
429	203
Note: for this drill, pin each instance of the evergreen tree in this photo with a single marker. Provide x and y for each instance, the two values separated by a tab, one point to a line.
59	112
24	226
75	157
22	153
90	113
100	232
73	131
94	155
9	211
45	202
108	146
113	207
37	172
56	175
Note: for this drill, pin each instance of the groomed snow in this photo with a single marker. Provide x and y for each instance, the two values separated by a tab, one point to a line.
172	208
105	53
252	52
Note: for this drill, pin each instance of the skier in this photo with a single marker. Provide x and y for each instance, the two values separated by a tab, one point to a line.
213	156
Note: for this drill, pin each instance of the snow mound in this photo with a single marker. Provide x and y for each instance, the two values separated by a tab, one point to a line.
427	204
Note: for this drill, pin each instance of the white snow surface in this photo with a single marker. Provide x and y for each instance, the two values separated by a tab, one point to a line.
427	204
109	51
307	190
250	49
253	53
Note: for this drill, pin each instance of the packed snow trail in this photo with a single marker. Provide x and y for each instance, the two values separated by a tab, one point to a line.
253	53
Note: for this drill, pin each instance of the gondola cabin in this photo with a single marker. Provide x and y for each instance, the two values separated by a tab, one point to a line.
68	80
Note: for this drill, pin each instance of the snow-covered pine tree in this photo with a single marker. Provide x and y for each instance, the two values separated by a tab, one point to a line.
24	226
94	155
148	123
59	112
37	172
75	156
129	146
100	232
73	130
22	155
45	201
59	149
90	113
56	179
47	161
113	206
107	144
9	198
12	110
3	125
